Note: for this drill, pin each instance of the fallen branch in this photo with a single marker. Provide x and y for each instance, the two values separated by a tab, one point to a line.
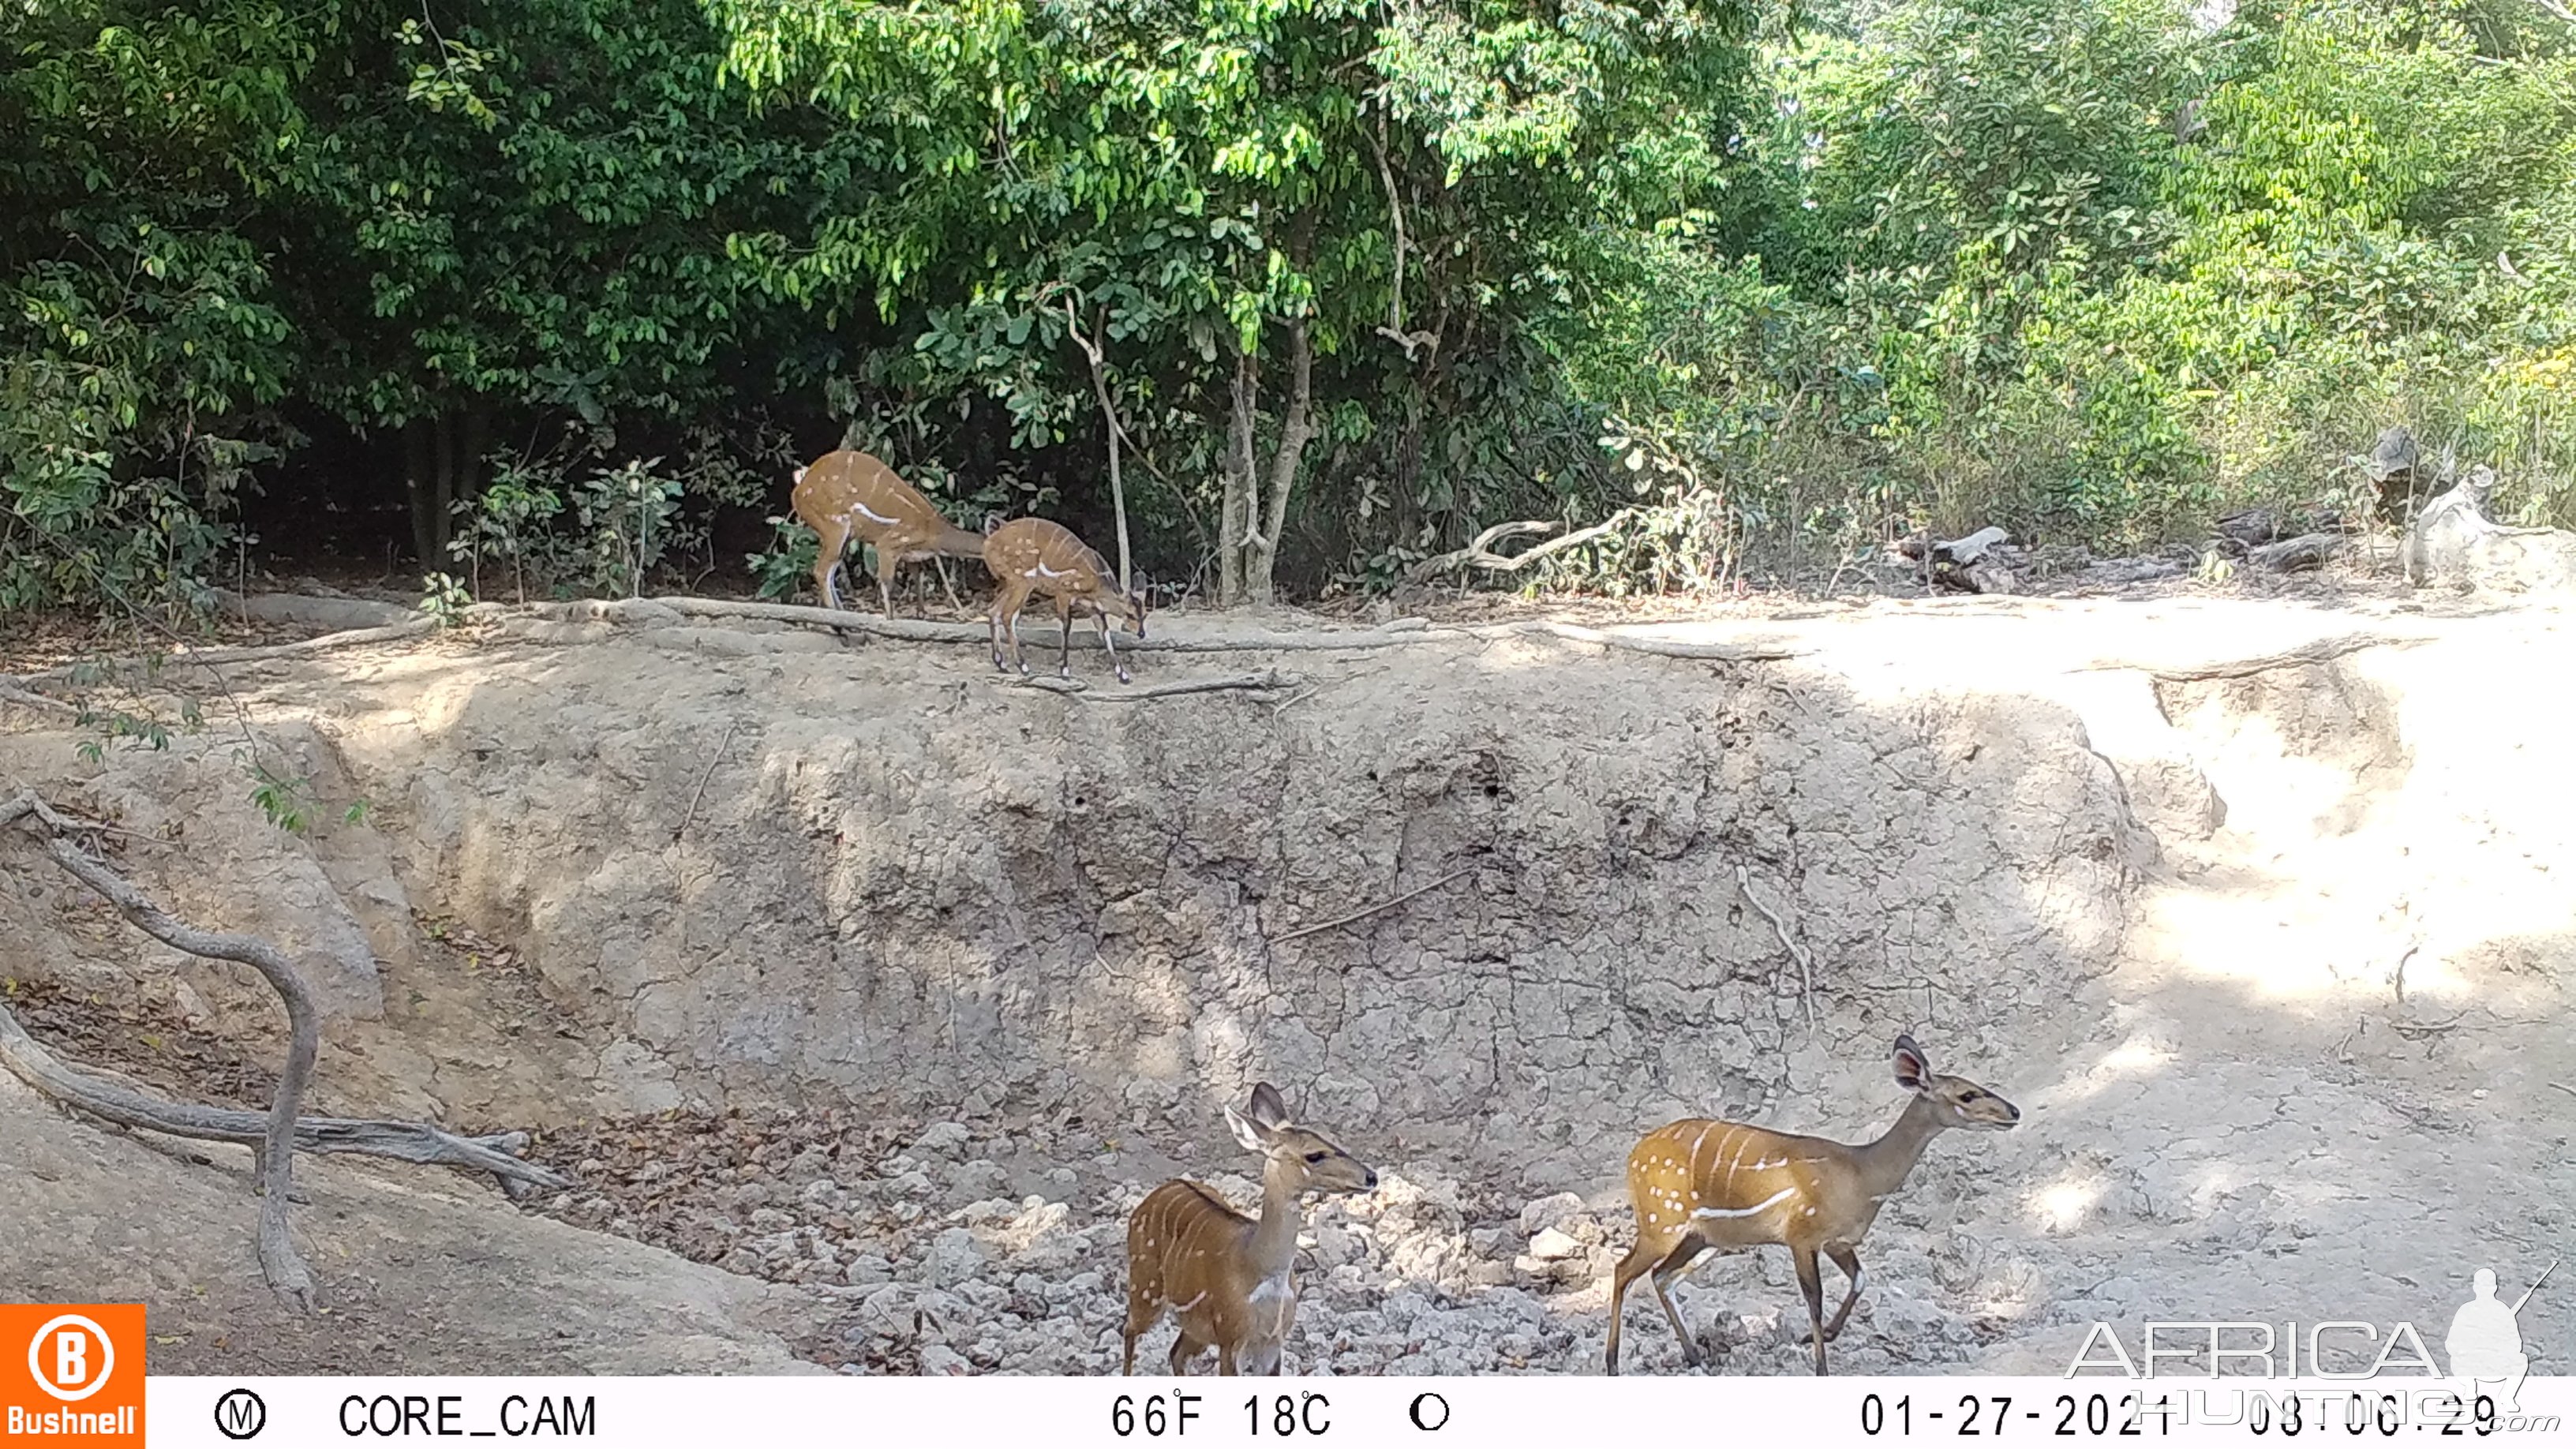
417	1142
1266	681
1367	911
1480	554
1797	953
710	773
10	693
247	653
931	631
2307	551
284	1270
1666	648
273	1142
2320	652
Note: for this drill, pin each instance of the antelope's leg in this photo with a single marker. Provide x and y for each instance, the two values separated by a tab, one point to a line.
827	562
1144	1310
887	561
1100	616
1675	1265
1849	1261
1184	1348
1012	627
1063	636
1224	1361
950	585
1811	1282
1620	1277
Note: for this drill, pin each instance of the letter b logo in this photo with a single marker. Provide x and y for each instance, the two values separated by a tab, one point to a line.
71	1358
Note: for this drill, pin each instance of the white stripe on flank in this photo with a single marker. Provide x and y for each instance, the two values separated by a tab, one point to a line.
870	512
1768	1202
1193	1303
1053	573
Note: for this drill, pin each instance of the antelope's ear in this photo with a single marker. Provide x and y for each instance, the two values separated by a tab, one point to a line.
1252	1137
1913	1070
800	476
1269	1111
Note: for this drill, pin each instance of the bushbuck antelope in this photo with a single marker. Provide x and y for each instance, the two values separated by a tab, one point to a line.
1224	1275
1032	556
845	495
1699	1186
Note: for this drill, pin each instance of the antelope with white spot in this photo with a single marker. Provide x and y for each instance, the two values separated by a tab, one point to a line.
1223	1275
1033	556
1700	1186
845	496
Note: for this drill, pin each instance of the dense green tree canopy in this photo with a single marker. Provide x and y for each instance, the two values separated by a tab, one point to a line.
1300	291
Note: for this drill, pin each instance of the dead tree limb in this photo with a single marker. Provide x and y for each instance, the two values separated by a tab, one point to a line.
1267	681
1666	648
2320	652
1365	912
278	1261
272	1141
11	693
1780	928
248	653
1480	554
417	1142
2290	555
930	631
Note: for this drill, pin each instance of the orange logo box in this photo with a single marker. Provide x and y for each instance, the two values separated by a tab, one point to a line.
71	1374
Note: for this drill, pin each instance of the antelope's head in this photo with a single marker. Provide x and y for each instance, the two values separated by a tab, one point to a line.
1955	1101
1133	607
1314	1162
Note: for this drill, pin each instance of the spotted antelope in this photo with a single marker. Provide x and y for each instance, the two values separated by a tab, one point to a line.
845	496
1033	556
1223	1275
1699	1185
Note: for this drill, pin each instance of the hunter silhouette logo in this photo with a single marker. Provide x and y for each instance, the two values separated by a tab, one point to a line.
84	1372
2485	1341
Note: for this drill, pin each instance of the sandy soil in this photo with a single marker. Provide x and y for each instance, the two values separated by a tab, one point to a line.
880	988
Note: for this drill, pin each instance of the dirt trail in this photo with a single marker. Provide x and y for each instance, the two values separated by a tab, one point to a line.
975	962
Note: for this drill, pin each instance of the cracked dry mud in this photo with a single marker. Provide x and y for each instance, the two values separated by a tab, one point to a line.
864	1068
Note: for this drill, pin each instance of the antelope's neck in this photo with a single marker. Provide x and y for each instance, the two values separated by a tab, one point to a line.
1274	1239
1885	1163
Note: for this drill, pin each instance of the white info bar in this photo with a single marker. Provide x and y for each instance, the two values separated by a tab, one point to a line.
1426	1413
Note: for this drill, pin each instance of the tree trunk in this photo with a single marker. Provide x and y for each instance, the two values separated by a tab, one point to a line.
1234	520
442	462
1296	430
420	470
1095	351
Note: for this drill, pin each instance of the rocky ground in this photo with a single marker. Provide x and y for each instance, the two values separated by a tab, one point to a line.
2253	905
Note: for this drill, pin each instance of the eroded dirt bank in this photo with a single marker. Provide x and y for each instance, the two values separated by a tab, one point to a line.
977	962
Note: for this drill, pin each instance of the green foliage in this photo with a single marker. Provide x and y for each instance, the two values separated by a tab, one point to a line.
781	569
628	520
506	522
2079	267
444	597
138	330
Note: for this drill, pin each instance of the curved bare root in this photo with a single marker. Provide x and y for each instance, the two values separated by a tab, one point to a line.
273	1136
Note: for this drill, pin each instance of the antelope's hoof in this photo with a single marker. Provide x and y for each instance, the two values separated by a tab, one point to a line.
1125	678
